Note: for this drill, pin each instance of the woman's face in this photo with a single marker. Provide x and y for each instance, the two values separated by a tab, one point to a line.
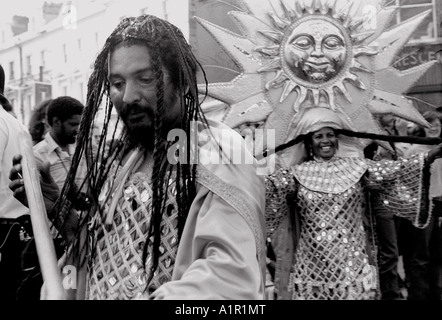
324	143
434	130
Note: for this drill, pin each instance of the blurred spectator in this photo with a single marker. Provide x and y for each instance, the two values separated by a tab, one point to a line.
387	224
58	146
439	112
38	125
423	252
15	223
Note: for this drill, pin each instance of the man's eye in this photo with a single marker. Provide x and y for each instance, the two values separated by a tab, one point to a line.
117	84
147	80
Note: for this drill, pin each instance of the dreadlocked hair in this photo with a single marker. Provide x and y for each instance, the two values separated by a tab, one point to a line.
168	48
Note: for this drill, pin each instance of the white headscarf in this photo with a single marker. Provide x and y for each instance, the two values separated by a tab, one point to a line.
310	120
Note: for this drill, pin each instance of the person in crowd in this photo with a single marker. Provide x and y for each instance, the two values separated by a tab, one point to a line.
58	145
387	224
325	197
439	114
54	145
422	254
38	126
167	221
15	223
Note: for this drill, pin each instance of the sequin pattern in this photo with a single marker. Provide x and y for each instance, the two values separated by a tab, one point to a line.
331	261
117	272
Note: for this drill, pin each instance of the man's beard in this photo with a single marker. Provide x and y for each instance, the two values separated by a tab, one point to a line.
67	139
139	134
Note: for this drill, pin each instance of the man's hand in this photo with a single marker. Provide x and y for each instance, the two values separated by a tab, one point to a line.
435	153
49	188
17	184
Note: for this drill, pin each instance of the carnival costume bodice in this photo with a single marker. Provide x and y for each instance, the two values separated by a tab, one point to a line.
119	249
331	259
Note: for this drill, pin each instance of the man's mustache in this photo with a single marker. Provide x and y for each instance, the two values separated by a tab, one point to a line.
136	108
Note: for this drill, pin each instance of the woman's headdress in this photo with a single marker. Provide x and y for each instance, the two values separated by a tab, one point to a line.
313	119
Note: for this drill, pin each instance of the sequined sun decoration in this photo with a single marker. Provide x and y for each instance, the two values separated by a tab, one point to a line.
294	55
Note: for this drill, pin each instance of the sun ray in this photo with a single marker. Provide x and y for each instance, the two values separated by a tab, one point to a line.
288	88
390	42
383	18
393	80
277	78
239	48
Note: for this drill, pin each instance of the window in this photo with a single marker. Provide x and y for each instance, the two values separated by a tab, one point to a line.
65	53
80	90
97	43
410	8
28	65
11	70
43	58
29	101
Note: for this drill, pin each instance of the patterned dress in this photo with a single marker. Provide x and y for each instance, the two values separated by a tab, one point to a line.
331	259
117	271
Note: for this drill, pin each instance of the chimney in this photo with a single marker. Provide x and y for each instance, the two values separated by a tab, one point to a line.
19	24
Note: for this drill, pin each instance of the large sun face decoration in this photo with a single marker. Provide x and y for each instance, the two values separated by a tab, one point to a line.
313	52
294	55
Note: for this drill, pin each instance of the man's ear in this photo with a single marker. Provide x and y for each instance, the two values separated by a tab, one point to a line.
56	122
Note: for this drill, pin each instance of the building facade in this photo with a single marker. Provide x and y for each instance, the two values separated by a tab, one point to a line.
54	53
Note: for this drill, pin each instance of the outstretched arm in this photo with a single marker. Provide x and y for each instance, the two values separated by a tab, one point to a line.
434	153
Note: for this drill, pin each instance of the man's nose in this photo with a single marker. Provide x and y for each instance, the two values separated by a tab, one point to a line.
131	93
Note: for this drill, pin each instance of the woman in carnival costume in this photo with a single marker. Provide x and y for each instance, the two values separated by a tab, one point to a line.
325	198
296	56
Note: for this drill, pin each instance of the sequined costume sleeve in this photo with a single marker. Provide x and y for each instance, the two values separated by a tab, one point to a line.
402	186
280	187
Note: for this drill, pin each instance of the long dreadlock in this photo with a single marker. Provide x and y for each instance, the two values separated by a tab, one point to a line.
168	48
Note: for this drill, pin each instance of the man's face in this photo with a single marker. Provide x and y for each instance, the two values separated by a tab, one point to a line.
69	129
133	92
434	130
315	51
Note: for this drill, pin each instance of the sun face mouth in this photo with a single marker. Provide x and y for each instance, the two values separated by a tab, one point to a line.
318	64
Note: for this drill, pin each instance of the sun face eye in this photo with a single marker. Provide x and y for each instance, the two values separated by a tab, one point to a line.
332	43
303	42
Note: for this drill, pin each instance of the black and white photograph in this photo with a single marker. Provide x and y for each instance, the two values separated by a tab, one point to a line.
221	155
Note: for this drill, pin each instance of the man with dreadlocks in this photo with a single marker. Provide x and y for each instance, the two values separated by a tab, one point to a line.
160	226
